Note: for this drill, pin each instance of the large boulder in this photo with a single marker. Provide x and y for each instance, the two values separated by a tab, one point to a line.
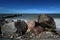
21	27
47	21
8	29
31	25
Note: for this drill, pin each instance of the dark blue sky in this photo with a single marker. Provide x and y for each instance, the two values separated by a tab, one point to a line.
29	6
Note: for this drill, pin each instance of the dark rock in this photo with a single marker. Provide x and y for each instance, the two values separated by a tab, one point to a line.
47	21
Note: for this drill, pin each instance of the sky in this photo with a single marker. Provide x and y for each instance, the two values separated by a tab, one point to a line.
30	6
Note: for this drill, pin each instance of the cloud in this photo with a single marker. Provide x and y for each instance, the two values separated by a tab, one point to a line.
7	10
